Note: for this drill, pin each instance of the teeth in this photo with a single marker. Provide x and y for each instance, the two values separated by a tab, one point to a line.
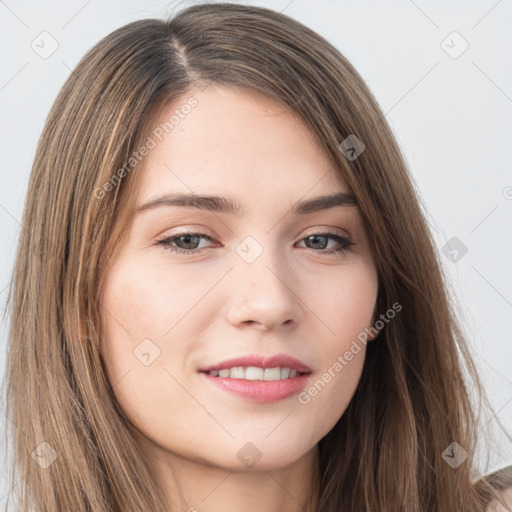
272	374
237	372
255	373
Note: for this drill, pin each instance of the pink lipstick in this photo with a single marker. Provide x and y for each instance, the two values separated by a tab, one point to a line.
259	378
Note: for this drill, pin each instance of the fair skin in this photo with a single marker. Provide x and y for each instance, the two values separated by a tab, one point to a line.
505	503
206	307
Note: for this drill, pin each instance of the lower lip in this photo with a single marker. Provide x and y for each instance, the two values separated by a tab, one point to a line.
260	390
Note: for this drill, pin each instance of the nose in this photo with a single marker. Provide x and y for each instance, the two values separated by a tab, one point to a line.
264	294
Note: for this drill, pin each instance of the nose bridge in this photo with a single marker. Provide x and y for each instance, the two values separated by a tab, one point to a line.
264	290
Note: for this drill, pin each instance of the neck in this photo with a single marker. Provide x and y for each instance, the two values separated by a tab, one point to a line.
195	486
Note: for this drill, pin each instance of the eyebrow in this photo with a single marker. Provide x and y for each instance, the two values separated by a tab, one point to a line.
226	205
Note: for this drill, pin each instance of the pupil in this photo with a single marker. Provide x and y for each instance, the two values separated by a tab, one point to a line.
315	239
189	239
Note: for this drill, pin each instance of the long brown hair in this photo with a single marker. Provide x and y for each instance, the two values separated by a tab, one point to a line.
72	447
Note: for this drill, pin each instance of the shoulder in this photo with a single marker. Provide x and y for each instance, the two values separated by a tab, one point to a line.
504	504
496	489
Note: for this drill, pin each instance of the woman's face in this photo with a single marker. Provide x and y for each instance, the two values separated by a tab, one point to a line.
270	280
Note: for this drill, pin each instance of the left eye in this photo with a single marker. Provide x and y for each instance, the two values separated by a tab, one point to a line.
187	243
342	242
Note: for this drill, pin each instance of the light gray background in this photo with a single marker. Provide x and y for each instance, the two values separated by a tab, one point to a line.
451	116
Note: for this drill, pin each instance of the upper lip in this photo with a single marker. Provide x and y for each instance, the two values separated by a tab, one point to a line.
261	361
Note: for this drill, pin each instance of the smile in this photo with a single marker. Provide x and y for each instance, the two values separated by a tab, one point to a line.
255	373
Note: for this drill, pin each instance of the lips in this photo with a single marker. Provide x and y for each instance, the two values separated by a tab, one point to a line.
260	361
259	390
294	377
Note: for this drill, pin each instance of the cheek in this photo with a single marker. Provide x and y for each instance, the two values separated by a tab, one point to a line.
149	327
333	385
144	300
345	303
131	300
134	319
329	393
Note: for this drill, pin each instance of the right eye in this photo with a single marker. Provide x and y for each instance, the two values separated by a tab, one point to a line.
186	240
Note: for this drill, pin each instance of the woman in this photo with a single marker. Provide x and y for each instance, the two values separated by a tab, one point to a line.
225	291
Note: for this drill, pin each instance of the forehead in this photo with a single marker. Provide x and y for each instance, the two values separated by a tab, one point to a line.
236	142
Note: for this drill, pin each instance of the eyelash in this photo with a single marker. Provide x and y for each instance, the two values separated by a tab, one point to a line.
345	244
